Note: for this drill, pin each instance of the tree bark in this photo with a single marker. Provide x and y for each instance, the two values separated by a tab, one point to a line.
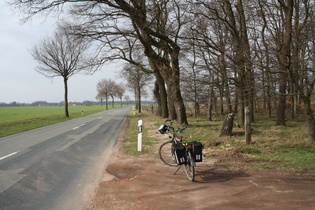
310	123
284	59
106	101
248	129
157	97
236	24
65	82
113	102
161	95
171	105
227	125
282	100
139	98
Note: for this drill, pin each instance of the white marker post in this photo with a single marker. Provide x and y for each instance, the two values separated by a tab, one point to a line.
139	135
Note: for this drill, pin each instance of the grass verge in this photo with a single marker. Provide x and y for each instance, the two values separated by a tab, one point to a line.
273	148
130	144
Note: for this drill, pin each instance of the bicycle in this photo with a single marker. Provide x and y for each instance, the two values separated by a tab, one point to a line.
169	150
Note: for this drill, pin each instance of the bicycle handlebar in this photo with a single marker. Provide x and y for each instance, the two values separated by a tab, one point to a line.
170	127
176	133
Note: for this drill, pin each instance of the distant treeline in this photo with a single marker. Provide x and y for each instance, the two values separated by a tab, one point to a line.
84	103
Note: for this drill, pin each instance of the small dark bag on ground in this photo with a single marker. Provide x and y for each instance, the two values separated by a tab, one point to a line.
197	150
179	151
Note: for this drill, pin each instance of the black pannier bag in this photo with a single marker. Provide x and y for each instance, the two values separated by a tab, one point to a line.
163	129
197	150
179	151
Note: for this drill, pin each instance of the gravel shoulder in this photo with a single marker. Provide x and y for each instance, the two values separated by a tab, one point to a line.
146	183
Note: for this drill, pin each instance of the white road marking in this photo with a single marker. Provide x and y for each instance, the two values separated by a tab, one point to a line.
78	127
9	155
100	118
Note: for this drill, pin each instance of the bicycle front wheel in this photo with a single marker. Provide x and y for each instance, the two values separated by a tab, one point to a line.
190	167
167	154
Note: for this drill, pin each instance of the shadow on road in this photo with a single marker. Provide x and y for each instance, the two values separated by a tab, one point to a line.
204	174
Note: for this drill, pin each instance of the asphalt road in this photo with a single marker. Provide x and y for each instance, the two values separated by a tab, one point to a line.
57	166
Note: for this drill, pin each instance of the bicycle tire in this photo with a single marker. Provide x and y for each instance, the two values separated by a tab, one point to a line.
166	154
190	167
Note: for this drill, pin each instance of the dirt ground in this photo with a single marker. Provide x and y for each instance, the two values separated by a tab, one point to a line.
146	183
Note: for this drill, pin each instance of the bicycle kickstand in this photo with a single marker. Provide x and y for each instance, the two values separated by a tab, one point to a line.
177	169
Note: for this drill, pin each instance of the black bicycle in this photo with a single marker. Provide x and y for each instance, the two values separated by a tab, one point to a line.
177	152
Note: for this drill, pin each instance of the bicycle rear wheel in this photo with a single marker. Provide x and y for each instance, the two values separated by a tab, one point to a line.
190	167
166	154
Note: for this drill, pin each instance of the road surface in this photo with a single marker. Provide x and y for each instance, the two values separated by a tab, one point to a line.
57	166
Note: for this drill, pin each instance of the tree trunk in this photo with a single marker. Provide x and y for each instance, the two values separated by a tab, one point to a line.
236	24
209	110
225	84
106	101
65	81
282	100
311	124
157	97
171	77
210	100
179	104
221	90
240	107
139	99
171	105
161	95
248	129
284	60
113	102
227	126
267	95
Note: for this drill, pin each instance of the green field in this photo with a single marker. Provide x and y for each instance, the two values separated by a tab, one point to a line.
18	119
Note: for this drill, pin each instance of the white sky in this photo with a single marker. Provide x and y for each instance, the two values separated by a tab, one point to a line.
20	82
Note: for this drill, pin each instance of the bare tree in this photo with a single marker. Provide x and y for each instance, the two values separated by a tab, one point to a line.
231	15
136	80
284	57
100	97
120	91
106	88
127	99
61	55
302	60
155	25
249	50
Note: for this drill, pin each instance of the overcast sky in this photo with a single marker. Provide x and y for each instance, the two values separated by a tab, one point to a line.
20	82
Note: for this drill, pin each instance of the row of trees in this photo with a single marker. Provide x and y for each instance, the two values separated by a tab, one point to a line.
109	88
136	81
243	52
252	53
